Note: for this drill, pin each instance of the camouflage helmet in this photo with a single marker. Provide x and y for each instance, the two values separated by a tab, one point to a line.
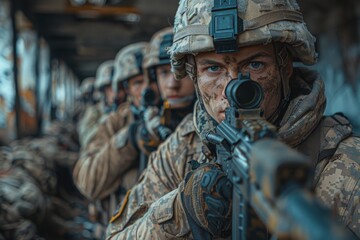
128	63
87	86
157	52
104	74
198	27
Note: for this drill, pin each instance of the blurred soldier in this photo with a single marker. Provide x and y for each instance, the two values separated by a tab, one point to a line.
104	76
102	103
177	97
85	98
94	171
265	40
87	89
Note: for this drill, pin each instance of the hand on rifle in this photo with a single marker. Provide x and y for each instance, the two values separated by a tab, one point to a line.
148	138
206	199
152	122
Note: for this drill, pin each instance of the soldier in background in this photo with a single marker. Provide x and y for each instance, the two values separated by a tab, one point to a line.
85	98
103	85
177	98
272	35
102	103
100	159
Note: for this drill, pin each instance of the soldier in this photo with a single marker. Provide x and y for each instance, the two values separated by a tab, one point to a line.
87	89
98	173
269	37
97	111
177	96
103	84
84	98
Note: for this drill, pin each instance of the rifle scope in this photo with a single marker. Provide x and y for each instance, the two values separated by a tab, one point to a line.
242	92
148	97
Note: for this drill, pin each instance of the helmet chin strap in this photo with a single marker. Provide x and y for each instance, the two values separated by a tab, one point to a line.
282	59
191	72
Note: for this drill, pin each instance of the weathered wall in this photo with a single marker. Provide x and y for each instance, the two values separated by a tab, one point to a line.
336	24
6	74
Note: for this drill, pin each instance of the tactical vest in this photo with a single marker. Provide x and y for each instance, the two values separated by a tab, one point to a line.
323	142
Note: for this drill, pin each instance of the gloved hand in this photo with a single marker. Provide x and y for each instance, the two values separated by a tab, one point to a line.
206	198
150	132
152	122
147	136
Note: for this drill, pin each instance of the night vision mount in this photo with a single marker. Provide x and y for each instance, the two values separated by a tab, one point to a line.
225	25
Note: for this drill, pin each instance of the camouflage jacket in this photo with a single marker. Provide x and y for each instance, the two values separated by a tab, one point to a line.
88	124
153	209
100	173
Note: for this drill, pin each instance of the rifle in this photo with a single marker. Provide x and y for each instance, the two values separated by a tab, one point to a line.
149	98
267	176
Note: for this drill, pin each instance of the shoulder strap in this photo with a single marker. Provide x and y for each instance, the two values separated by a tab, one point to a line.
324	140
311	146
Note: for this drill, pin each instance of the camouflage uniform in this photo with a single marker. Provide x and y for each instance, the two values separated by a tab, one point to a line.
87	125
153	209
84	98
95	113
99	173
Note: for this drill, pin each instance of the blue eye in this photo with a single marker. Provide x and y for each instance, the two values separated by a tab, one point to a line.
256	65
213	68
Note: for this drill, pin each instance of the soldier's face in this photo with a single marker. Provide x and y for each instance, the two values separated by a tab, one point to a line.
121	94
214	71
135	87
109	95
176	92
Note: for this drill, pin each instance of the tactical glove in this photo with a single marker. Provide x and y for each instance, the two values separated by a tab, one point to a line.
152	122
150	131
206	198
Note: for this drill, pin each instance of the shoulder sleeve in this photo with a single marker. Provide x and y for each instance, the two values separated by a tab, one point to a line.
87	124
339	183
153	209
108	127
98	171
